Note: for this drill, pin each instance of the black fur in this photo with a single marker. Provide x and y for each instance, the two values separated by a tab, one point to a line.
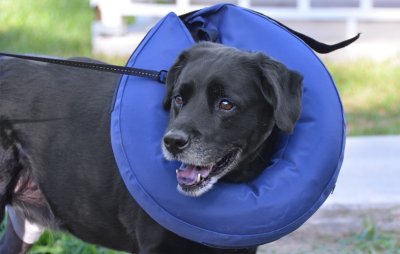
265	93
55	149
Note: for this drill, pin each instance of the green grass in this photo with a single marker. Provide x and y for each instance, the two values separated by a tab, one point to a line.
370	93
55	27
62	243
58	243
371	241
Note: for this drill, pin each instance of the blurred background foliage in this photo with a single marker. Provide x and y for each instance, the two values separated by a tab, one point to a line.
53	27
370	90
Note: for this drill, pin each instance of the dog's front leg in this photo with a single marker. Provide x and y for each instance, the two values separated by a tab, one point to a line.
10	243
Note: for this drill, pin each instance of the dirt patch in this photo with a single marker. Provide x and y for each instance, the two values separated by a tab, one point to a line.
343	230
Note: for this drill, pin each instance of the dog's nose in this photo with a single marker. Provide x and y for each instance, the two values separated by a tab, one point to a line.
175	141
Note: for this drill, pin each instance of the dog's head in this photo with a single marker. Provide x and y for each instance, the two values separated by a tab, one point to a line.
223	105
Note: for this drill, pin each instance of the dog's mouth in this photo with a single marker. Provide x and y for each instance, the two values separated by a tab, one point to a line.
194	180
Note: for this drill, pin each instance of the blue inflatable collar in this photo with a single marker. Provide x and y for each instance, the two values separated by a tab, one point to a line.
304	167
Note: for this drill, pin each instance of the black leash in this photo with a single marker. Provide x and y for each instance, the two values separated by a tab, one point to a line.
160	76
318	46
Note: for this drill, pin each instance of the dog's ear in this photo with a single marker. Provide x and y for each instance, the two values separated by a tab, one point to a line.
172	77
282	88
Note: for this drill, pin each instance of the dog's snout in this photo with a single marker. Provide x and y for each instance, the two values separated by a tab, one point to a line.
176	141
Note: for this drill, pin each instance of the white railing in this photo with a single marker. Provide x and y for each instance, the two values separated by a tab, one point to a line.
113	12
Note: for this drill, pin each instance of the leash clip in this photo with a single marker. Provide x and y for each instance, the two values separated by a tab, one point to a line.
162	76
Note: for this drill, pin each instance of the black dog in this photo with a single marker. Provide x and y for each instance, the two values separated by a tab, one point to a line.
224	104
57	167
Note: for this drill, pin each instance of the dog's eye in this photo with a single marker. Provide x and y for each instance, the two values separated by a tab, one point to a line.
178	100
225	104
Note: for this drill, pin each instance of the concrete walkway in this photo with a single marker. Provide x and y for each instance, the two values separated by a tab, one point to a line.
370	174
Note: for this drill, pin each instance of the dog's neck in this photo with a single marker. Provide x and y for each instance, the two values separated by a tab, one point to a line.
252	167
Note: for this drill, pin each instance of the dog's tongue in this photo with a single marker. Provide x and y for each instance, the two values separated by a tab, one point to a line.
188	174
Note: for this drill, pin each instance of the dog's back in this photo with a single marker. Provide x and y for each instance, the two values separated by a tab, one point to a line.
49	123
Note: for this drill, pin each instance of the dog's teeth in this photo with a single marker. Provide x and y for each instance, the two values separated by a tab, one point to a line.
198	178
